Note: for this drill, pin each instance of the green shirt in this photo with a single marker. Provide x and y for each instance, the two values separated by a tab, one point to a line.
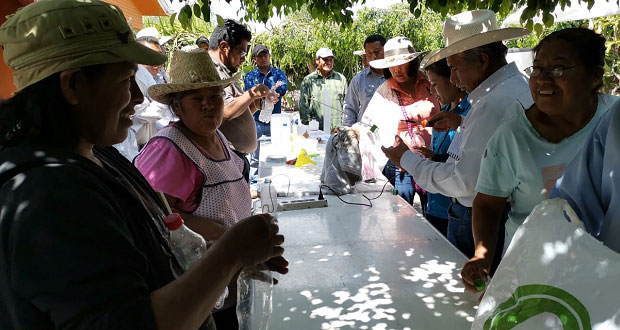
322	96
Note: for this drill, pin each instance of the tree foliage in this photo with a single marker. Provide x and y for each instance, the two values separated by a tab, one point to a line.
339	10
294	43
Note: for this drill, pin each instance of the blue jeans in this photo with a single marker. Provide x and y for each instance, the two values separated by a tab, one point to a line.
261	129
459	228
402	181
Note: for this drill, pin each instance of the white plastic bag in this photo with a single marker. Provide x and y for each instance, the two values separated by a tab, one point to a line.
554	276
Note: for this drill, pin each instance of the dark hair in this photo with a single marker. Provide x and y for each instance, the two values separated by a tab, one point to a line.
589	45
149	40
374	38
412	69
440	68
202	40
495	50
40	114
232	32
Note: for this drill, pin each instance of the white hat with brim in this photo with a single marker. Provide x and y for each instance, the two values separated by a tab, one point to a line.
470	30
397	51
152	32
359	52
324	52
188	71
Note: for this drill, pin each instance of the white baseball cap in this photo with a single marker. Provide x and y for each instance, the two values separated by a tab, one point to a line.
152	32
324	52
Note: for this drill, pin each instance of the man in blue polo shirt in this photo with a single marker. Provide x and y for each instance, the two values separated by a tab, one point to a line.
265	74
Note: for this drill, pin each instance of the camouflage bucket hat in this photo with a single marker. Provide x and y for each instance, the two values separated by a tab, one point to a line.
50	36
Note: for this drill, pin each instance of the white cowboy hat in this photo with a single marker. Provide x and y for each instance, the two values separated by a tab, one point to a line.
152	32
359	52
189	70
472	29
397	51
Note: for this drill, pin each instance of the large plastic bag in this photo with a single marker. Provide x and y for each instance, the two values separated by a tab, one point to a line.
554	275
342	165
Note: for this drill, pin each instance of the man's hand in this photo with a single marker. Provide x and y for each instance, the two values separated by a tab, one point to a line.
445	120
396	152
258	91
426	152
475	269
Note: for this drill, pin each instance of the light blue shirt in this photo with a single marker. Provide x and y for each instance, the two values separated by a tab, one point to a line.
591	182
361	89
520	164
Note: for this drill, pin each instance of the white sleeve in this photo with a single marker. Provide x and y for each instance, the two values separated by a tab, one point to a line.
458	177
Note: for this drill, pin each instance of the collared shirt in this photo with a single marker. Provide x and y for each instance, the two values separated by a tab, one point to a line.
361	89
321	96
590	182
500	97
274	75
239	131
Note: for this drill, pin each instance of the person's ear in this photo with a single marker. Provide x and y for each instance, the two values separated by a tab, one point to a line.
598	73
224	45
483	59
70	82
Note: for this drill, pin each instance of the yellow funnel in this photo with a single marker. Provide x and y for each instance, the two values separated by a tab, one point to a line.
303	159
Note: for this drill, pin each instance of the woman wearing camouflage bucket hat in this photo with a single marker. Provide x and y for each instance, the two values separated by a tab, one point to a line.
81	232
190	160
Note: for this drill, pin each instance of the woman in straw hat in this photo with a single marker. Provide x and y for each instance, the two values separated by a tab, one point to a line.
191	162
528	153
405	96
82	241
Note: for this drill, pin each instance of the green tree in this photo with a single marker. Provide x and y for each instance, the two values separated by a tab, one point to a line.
339	10
294	43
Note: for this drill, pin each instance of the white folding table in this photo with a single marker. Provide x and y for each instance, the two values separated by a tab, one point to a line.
360	267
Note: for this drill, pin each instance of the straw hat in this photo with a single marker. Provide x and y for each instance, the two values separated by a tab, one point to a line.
472	29
397	51
189	70
50	36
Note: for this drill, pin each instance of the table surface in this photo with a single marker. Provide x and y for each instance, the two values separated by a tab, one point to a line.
360	267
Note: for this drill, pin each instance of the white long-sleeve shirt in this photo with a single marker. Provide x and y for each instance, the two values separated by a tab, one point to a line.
498	98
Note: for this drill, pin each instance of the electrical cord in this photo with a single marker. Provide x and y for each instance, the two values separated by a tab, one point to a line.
351	203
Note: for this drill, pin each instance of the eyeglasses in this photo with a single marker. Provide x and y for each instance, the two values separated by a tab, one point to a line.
554	71
241	52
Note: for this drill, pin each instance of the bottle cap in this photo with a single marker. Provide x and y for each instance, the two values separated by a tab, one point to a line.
373	128
173	221
268	180
479	284
395	192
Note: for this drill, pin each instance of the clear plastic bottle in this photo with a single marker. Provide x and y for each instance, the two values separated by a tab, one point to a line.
268	197
313	125
267	110
187	246
254	297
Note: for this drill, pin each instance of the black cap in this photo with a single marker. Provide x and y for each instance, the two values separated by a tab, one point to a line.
259	49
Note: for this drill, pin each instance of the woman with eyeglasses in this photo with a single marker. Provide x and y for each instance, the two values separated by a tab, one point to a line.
528	153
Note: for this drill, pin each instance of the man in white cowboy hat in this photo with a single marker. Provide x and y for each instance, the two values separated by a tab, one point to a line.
364	84
497	91
322	92
228	47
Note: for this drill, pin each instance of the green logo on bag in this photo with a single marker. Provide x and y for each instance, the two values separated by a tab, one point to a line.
534	299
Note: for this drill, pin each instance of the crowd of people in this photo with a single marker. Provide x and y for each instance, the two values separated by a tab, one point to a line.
98	125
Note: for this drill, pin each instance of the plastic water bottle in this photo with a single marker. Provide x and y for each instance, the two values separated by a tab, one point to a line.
254	297
313	125
265	112
268	197
188	246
